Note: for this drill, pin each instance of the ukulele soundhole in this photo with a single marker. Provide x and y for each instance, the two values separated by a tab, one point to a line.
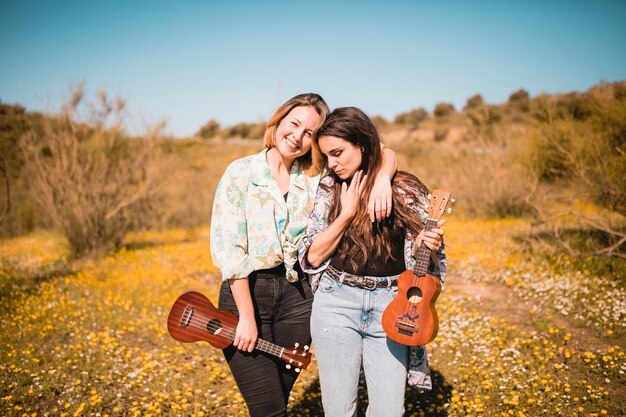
214	326
414	295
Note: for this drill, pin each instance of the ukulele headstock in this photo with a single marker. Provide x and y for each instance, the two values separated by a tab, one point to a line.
298	358
439	202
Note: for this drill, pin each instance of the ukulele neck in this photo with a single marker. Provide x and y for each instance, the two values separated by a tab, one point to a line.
262	345
270	348
422	258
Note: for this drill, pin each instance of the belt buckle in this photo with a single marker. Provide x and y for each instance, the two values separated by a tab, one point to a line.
369	283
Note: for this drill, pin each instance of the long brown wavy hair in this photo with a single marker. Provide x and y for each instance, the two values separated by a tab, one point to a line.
307	161
362	236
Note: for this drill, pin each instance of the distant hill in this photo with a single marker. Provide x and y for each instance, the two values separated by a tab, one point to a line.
475	151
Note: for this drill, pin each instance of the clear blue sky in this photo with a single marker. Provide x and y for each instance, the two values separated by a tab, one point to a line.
189	61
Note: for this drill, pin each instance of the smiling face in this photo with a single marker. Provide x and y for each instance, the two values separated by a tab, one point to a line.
344	158
295	131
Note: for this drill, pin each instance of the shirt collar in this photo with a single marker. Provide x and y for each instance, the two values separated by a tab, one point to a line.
262	175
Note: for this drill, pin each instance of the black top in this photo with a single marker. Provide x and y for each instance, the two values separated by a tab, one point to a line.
376	267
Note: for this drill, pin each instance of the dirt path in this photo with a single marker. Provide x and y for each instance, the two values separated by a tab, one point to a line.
499	300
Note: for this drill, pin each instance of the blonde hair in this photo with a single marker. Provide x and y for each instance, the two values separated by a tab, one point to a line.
311	162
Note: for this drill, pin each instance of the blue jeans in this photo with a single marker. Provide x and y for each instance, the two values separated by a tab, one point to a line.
347	331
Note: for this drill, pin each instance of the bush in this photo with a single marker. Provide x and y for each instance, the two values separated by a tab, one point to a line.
443	109
380	122
484	115
474	102
94	183
586	158
412	118
209	130
576	105
245	131
520	100
17	211
619	91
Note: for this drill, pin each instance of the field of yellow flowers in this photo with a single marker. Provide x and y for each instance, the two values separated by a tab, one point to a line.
521	334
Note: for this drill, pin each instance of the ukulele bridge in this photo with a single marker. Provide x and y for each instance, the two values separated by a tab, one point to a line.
405	327
186	317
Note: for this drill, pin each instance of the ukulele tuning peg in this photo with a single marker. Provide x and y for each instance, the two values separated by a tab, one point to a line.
449	210
297	370
288	366
452	201
297	344
306	347
430	196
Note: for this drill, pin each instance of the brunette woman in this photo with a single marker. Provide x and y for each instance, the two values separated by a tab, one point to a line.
355	266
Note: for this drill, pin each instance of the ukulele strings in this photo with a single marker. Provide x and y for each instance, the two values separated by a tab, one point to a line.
212	328
203	323
422	261
422	257
199	322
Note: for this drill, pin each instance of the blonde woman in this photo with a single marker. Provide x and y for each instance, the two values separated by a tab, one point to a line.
260	212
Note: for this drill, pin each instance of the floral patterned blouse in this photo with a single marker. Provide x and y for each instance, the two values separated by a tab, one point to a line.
419	371
252	226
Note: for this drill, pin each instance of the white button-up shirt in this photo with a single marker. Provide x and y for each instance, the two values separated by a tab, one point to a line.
252	226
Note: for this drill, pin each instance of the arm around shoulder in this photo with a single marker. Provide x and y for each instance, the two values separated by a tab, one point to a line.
380	200
390	163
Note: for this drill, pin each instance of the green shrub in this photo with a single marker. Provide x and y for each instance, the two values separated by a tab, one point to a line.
474	102
245	131
209	130
520	100
443	109
579	145
17	211
619	91
412	118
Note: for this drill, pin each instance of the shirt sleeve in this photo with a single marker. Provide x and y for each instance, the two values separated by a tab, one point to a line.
318	222
229	235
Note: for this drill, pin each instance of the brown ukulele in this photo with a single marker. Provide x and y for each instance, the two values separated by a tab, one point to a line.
410	319
193	318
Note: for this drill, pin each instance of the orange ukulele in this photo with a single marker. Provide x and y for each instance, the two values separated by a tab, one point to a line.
410	319
193	318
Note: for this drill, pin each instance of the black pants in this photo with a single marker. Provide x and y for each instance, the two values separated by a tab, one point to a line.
283	312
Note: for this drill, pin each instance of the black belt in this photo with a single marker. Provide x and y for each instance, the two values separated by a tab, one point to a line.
269	273
368	283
